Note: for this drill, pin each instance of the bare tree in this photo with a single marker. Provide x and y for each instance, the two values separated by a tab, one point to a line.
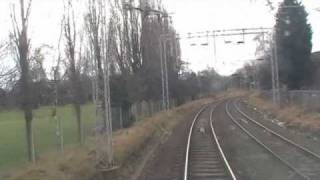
127	22
118	38
4	49
9	72
56	80
94	28
96	22
22	46
132	31
70	34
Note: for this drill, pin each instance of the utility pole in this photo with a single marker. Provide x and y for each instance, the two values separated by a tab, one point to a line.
255	73
166	76
275	71
273	76
161	49
163	41
214	47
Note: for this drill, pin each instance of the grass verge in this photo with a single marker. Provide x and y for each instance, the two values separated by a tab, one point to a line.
292	116
130	146
78	163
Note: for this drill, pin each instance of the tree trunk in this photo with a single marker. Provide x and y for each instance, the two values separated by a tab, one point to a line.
70	36
76	87
30	140
26	93
77	109
22	45
27	110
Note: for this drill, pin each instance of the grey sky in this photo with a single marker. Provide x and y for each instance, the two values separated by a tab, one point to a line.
203	15
189	16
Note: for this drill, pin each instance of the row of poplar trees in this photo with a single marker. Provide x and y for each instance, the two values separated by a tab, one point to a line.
114	45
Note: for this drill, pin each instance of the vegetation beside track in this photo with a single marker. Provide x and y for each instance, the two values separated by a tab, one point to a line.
78	163
292	116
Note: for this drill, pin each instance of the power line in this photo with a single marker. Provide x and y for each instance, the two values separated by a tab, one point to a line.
227	32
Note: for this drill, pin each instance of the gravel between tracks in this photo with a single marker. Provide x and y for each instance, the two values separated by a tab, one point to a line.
248	159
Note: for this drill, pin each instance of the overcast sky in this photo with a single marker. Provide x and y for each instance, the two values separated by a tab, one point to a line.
203	15
189	16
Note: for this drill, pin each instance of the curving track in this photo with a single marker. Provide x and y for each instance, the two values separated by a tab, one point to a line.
304	162
205	159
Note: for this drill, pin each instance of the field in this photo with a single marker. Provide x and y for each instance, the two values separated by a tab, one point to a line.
12	132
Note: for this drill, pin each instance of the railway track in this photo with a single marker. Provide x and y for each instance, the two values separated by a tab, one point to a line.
205	160
302	161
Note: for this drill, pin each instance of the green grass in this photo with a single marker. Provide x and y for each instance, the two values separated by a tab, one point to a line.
12	132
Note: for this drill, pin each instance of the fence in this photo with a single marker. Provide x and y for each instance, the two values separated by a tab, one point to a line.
146	109
122	118
309	100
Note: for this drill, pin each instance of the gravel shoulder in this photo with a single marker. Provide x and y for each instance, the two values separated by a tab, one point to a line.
301	136
248	160
168	160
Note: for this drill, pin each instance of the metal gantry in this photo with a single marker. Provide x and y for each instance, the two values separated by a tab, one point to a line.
163	41
244	32
227	32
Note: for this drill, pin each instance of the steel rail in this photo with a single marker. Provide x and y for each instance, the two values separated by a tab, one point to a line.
224	162
233	119
306	150
219	146
189	140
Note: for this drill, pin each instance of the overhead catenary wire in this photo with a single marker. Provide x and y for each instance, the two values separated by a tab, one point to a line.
226	33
